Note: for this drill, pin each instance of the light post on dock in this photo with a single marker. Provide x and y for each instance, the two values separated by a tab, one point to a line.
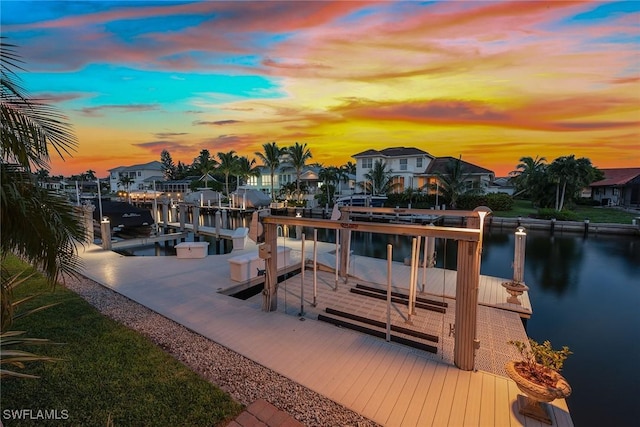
516	287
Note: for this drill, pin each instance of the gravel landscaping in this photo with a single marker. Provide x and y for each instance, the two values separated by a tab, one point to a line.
245	380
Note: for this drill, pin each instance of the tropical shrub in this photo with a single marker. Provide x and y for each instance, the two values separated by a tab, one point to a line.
563	215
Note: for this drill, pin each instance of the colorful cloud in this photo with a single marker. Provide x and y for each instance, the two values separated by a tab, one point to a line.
491	81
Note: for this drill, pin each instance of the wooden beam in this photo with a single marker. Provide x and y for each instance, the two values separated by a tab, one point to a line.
455	233
434	212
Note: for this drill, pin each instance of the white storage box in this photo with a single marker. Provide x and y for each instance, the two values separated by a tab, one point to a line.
192	249
245	267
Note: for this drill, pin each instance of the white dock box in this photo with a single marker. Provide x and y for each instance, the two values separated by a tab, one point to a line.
192	249
245	267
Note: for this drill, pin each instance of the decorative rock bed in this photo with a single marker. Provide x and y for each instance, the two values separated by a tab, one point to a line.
245	380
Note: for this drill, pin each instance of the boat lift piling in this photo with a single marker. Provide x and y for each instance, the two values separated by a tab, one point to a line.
389	263
315	267
301	314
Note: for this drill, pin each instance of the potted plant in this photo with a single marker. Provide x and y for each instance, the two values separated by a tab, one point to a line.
537	375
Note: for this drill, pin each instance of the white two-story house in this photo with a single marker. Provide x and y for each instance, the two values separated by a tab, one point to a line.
142	175
414	168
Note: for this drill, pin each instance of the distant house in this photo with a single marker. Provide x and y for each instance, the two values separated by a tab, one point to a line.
142	175
414	168
620	187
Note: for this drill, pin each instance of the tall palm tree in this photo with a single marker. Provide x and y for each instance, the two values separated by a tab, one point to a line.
526	173
246	169
379	179
563	170
329	176
37	224
271	160
298	156
125	181
90	175
204	164
227	166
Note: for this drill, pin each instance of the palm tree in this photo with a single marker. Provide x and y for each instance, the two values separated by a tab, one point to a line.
563	170
329	176
271	160
527	172
379	180
125	181
298	156
37	225
204	164
90	175
246	169
227	166
453	183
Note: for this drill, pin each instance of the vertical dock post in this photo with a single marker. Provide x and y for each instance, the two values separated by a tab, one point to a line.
518	256
466	304
87	218
315	266
196	223
265	251
389	265
345	243
165	215
302	268
105	231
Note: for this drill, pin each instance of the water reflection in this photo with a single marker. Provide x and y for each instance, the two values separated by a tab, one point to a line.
554	262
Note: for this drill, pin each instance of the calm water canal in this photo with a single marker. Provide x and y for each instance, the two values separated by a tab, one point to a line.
585	294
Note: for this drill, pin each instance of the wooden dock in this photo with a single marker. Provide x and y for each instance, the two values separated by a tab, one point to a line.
389	383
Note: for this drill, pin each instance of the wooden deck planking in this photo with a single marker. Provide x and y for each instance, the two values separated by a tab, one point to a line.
359	377
412	412
460	398
487	404
353	368
370	388
502	411
410	389
433	394
443	412
377	399
474	401
430	391
395	388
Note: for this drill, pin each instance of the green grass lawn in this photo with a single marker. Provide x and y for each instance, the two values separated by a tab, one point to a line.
108	371
595	214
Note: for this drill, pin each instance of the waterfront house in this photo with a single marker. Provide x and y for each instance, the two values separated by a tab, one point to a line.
620	187
414	168
142	176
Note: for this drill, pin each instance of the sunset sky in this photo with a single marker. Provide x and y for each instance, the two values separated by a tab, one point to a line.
491	81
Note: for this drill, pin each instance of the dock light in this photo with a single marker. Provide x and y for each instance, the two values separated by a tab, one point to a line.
298	215
105	219
518	259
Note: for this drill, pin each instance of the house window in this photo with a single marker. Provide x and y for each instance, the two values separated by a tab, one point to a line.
398	184
403	164
253	181
419	162
367	163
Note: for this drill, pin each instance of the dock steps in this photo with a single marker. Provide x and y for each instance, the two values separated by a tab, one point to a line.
364	328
